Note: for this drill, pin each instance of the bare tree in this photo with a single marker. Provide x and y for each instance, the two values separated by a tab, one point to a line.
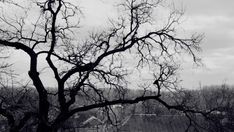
219	100
3	65
87	68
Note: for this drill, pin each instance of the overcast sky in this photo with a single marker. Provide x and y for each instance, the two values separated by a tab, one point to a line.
214	18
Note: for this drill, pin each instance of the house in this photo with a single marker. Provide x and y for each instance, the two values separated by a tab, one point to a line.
92	121
156	123
83	123
131	123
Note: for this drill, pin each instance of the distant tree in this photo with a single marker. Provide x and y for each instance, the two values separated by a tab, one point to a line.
219	101
88	68
18	106
3	65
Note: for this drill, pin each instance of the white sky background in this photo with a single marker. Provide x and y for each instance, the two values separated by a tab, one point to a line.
214	18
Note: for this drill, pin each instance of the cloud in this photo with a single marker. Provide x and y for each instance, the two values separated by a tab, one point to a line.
208	7
217	69
97	12
214	19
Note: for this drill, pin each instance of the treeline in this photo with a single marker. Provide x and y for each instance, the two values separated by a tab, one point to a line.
216	103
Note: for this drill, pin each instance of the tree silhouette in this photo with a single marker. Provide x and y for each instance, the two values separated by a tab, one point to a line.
89	67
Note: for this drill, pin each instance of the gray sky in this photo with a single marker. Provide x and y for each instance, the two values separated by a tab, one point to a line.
214	18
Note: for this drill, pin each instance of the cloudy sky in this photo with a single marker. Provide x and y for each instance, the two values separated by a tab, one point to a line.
214	18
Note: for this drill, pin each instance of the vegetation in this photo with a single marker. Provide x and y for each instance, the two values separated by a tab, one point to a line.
216	100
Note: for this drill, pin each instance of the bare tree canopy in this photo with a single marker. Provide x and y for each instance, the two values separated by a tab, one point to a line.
89	67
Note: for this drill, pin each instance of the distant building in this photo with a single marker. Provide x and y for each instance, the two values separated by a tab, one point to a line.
83	123
131	123
155	123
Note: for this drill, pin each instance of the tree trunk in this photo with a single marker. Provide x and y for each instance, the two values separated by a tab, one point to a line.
13	130
43	127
